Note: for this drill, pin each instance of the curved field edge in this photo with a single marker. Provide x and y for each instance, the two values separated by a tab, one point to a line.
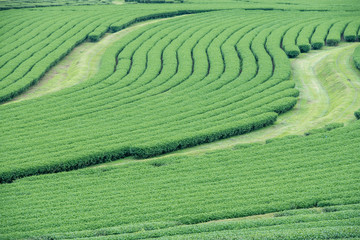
171	146
313	109
13	87
91	37
81	64
315	171
206	136
318	75
356	57
155	149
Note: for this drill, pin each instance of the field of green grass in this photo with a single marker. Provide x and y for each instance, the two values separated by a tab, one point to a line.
194	119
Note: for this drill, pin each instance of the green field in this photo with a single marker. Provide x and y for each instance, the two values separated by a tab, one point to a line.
201	119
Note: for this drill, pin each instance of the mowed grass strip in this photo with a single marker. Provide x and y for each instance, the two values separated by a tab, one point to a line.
173	89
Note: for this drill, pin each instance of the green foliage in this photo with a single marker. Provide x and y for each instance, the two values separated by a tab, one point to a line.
34	54
317	45
156	1
283	138
351	31
357	114
356	57
289	41
336	31
305	48
327	128
10	4
303	39
246	145
166	86
170	86
308	182
157	86
292	52
117	26
320	33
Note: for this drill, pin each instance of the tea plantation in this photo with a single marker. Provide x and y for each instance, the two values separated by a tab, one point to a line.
86	161
171	196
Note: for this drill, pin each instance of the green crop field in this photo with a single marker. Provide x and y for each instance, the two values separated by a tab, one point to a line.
194	119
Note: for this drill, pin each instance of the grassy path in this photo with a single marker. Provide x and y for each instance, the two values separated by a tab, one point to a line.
118	2
328	81
329	85
81	64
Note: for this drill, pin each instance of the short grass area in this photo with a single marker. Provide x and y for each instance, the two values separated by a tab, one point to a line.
80	65
318	75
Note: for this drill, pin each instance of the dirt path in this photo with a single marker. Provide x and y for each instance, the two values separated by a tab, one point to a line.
329	87
81	64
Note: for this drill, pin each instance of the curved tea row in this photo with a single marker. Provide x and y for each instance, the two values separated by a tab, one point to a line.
316	174
31	46
169	85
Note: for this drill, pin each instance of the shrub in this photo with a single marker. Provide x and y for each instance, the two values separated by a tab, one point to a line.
332	42
317	45
356	57
357	114
304	48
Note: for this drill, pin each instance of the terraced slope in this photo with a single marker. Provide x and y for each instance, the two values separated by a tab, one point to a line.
163	87
170	196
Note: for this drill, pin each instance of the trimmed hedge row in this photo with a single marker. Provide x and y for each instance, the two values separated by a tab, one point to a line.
292	51
23	69
351	31
173	84
290	38
336	31
321	31
29	74
356	57
309	182
303	39
150	150
115	27
18	4
225	131
357	114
